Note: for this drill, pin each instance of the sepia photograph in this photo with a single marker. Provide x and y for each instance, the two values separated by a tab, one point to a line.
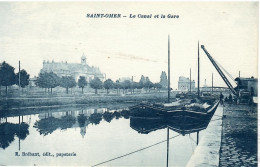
136	84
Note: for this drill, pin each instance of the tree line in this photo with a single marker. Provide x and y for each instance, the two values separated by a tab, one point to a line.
8	77
50	80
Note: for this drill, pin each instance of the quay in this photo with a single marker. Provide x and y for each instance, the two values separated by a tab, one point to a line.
230	139
239	137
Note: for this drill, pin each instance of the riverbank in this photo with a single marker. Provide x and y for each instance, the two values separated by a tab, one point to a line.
23	103
239	136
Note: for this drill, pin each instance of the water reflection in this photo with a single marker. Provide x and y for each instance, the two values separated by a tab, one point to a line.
47	125
23	131
117	128
95	118
82	120
146	125
143	125
51	121
8	131
67	122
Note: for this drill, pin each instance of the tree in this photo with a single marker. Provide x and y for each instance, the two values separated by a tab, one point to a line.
142	80
48	80
108	84
24	79
53	80
41	80
67	82
158	86
134	85
96	83
82	82
117	86
140	85
126	85
145	83
7	75
148	84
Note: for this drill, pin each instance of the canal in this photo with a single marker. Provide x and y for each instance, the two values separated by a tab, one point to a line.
91	137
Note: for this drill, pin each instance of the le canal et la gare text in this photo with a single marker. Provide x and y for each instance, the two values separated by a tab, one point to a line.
132	16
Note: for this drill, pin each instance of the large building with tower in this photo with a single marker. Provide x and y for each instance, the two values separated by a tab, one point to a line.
73	69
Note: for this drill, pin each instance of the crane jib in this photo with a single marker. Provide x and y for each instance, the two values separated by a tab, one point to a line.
220	71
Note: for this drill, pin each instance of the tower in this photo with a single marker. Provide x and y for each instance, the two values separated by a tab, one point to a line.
83	59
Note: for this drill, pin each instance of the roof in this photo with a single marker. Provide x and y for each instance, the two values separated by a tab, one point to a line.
246	79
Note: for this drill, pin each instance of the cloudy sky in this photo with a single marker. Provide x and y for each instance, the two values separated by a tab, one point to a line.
125	47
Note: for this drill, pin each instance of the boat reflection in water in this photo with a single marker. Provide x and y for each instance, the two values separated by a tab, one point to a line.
182	123
146	125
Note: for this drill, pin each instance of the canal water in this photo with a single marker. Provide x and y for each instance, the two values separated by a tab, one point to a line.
90	137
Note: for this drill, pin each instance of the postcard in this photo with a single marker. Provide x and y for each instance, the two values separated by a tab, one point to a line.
129	83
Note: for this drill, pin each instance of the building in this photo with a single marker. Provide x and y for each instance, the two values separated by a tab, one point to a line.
184	84
73	69
249	84
32	81
164	80
122	79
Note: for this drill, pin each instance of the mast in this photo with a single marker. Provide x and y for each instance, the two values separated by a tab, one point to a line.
169	78
190	80
167	146
19	133
19	82
198	69
212	85
198	137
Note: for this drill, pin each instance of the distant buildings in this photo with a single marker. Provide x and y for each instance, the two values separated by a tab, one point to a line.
164	80
73	69
184	84
122	79
32	81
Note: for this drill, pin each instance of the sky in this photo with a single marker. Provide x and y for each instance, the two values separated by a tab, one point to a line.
124	47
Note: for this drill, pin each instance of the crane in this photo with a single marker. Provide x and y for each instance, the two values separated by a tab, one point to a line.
220	72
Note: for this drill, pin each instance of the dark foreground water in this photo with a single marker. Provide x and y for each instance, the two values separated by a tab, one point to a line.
90	137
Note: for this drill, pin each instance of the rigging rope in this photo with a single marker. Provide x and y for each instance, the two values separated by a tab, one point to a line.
134	151
224	69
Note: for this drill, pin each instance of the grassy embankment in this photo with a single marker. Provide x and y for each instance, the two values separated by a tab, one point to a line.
24	102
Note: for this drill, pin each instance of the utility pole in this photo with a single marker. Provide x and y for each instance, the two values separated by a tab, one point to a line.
169	71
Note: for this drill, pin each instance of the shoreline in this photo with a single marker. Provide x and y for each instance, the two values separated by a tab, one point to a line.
16	106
